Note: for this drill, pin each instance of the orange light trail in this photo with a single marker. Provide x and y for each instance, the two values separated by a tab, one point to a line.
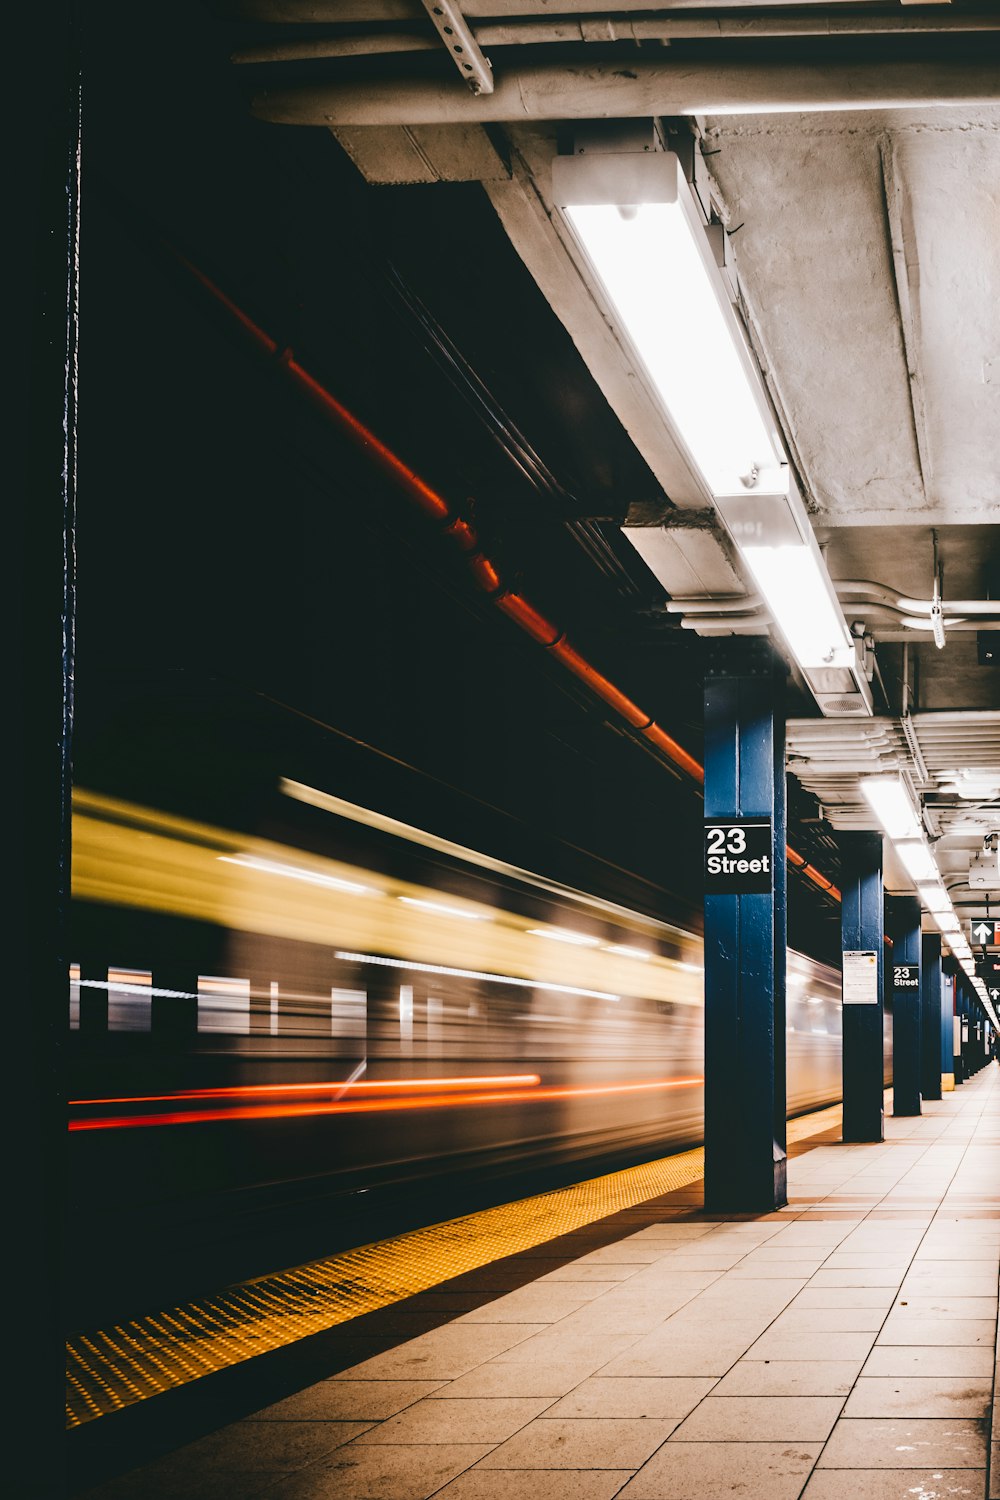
259	1090
368	1106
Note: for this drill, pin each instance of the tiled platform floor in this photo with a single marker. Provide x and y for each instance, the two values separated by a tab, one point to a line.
844	1347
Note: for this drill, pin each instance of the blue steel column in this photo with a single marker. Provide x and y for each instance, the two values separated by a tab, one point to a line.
906	1009
947	1025
862	927
959	1063
745	939
931	982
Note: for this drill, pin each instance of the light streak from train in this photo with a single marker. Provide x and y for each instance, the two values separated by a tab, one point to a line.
526	984
262	1090
374	1106
444	911
299	872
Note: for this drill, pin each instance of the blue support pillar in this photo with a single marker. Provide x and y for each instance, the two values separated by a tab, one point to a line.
948	1026
931	982
959	1027
906	955
862	927
745	931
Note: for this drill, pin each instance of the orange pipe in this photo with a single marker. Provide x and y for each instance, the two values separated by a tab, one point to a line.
463	533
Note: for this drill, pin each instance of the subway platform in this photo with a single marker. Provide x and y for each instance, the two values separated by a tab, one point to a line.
842	1347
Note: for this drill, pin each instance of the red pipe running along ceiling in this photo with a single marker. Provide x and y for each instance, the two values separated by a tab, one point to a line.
462	533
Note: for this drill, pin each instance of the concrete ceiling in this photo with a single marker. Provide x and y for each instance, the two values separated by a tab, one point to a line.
852	154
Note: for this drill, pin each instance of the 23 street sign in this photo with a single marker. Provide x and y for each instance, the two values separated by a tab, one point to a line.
739	859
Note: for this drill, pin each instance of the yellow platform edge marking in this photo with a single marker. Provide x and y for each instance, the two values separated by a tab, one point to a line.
114	1368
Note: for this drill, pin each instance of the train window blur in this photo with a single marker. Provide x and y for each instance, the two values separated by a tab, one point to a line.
223	1005
130	999
74	997
349	1015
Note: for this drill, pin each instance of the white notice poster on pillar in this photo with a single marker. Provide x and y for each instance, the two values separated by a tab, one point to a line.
861	977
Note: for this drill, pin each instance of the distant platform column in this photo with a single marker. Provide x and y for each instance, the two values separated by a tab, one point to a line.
932	1065
959	1027
862	927
745	922
947	1025
906	958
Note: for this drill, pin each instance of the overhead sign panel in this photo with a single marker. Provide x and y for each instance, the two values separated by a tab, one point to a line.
983	931
739	859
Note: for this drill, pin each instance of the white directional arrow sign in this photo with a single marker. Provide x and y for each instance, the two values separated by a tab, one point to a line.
985	931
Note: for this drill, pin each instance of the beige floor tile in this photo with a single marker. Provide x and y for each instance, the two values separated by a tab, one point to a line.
498	1379
752	1419
903	1329
714	1471
444	1354
627	1253
798	1319
928	1359
533	1304
920	1396
780	1270
540	1484
867	1260
982	1284
581	1443
854	1276
484	1419
944	1305
896	1484
349	1401
707	1259
657	1397
554	1346
994	1493
575	1271
407	1472
854	1345
796	1377
905	1443
846	1296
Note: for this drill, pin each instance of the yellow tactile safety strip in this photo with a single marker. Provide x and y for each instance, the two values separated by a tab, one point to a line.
116	1367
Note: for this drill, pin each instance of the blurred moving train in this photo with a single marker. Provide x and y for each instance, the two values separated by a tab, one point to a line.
275	1053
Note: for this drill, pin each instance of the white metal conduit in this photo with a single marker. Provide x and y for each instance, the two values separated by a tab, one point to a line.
746	613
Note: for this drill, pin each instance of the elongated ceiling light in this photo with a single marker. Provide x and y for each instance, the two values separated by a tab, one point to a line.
890	802
639	227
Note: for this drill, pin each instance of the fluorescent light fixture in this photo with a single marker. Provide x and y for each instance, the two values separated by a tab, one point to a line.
621	951
795	587
443	911
297	872
890	802
934	896
637	222
560	935
643	234
917	860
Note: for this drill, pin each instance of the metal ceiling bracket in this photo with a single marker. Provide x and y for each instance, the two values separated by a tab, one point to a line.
462	46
